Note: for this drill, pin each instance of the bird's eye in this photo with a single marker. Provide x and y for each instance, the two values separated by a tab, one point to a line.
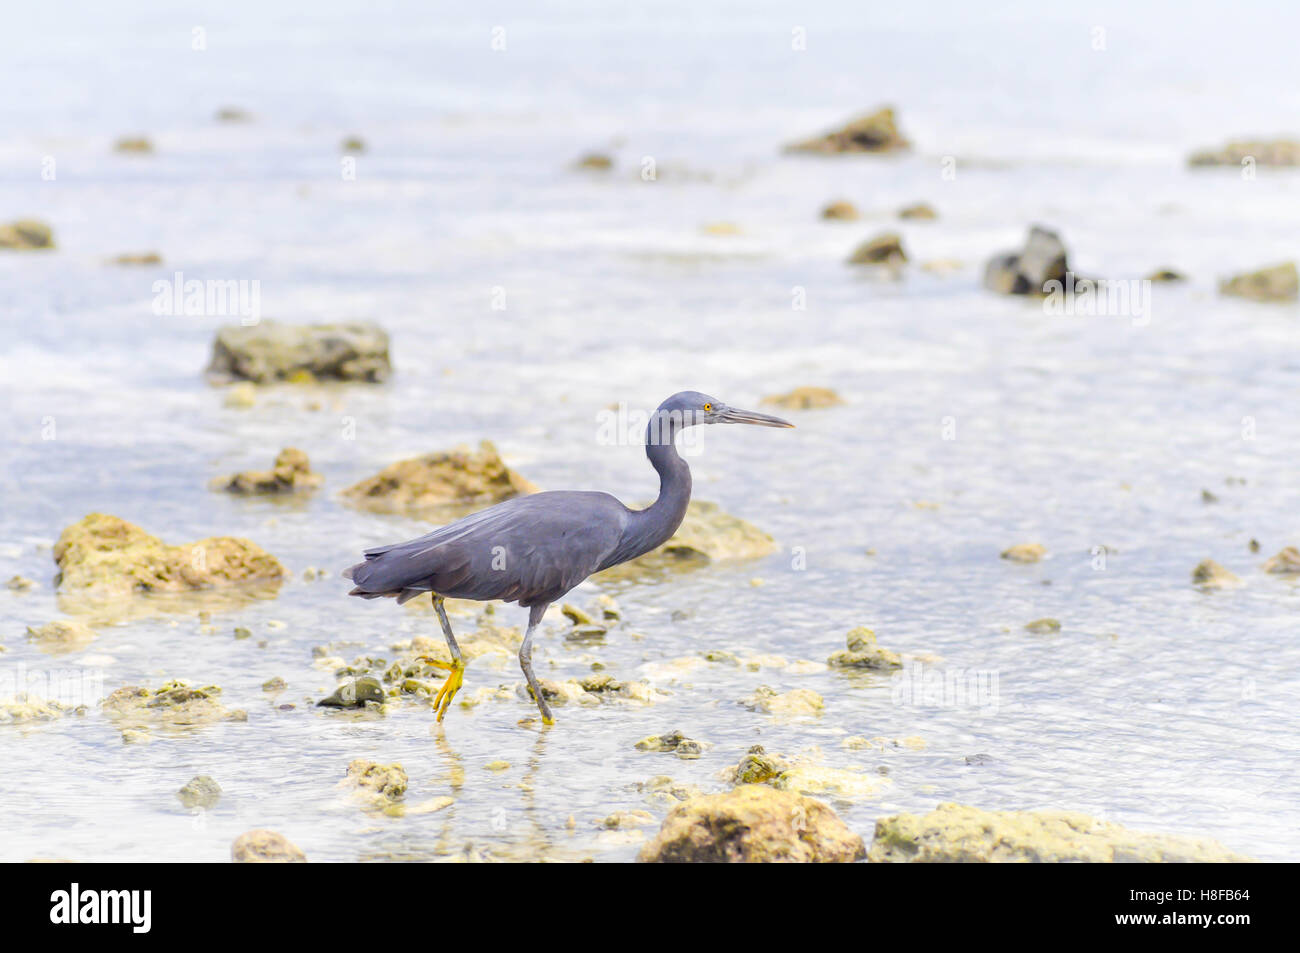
708	408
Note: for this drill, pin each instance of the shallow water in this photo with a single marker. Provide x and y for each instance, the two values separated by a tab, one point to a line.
1157	706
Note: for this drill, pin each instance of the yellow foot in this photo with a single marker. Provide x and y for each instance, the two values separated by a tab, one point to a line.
456	668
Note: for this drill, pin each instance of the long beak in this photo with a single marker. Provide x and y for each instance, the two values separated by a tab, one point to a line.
733	416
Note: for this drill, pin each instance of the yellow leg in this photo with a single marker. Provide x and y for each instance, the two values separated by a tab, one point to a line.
455	678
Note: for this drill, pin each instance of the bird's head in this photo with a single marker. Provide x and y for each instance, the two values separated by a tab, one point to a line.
689	407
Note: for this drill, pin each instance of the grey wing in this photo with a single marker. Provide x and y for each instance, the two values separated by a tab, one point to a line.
530	550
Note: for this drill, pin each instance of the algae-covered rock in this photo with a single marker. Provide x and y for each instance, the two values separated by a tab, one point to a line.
107	555
1278	283
1286	561
673	742
957	833
753	824
841	211
758	767
200	791
1025	552
1265	152
265	847
25	708
1042	259
354	693
919	212
708	533
386	782
1210	575
20	584
138	145
269	351
863	652
886	249
437	479
175	703
1043	626
804	398
875	133
353	145
233	114
291	473
62	635
1166	276
797	701
136	259
594	162
26	235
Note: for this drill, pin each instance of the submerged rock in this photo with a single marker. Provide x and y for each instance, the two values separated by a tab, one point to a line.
291	473
372	780
918	212
131	259
20	584
1278	283
23	708
174	703
1286	561
1025	552
139	145
797	701
200	791
863	652
233	114
1266	152
1166	275
804	398
753	824
62	635
1043	626
877	132
1210	575
841	211
437	479
1042	259
265	847
594	162
885	249
673	742
26	235
108	555
353	145
957	833
269	351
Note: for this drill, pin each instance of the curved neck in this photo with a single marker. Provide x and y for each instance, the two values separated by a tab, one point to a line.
651	527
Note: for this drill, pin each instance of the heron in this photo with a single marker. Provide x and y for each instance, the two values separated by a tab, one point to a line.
531	550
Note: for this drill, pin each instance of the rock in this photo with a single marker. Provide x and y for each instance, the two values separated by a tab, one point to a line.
265	847
291	473
720	228
137	259
1278	283
437	479
387	781
274	684
25	235
138	145
621	820
269	351
1025	552
864	652
200	791
1025	272
233	114
1164	275
673	742
758	767
797	701
753	824
594	162
1043	626
1286	561
20	584
355	693
1208	497
841	211
107	555
23	708
710	534
1210	575
886	249
663	790
63	635
876	133
576	615
957	833
241	395
1266	152
804	398
353	144
174	703
920	212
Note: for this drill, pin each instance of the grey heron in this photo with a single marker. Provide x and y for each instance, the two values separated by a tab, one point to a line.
531	550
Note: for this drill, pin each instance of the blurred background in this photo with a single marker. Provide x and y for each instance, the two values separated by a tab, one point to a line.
525	290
